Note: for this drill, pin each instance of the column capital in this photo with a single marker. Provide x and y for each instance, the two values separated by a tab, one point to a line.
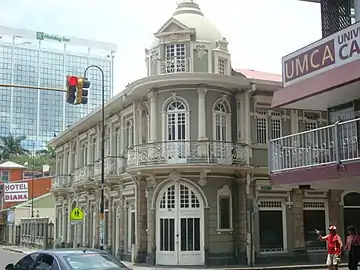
202	90
240	97
152	95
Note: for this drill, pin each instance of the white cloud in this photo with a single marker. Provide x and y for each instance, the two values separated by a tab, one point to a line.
260	32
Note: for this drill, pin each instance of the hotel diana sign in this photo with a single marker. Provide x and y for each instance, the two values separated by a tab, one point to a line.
16	192
334	51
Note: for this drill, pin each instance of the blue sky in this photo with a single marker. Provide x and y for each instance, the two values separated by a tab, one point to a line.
260	32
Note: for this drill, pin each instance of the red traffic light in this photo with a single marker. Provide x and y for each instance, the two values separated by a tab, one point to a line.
72	80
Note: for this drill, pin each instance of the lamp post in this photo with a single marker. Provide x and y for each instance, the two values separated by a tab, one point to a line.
102	199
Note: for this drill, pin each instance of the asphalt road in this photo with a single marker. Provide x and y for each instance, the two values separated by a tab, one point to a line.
7	257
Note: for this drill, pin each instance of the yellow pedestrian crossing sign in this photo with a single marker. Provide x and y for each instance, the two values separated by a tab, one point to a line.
76	214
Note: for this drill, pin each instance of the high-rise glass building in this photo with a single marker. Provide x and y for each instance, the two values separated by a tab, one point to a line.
44	60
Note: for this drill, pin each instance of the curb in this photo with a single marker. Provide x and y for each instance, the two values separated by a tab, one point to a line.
284	267
13	250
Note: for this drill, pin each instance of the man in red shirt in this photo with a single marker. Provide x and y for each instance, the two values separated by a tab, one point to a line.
334	247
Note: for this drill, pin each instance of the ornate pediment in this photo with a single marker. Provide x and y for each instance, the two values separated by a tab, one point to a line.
222	45
173	26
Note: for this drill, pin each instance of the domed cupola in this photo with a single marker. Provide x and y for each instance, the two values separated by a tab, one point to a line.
188	42
187	7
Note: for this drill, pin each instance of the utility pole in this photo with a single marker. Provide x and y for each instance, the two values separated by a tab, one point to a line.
102	197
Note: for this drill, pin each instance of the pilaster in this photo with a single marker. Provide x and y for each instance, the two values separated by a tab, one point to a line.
69	237
298	220
240	123
141	220
135	125
89	150
334	209
202	113
153	116
65	219
139	112
151	241
121	210
110	222
122	136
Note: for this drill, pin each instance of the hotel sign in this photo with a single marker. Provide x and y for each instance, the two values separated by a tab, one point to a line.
43	36
336	50
16	192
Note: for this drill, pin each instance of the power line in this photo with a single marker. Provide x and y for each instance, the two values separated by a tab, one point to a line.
32	87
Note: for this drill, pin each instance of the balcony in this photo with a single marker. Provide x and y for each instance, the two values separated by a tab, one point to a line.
114	166
173	65
84	174
318	154
61	182
187	152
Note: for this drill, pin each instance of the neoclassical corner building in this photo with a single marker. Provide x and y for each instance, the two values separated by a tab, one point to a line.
186	167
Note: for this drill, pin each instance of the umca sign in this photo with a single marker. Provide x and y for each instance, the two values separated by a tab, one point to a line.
339	49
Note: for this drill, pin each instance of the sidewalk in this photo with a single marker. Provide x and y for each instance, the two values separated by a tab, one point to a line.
147	267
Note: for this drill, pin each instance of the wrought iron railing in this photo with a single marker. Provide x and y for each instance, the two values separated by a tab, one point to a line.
332	144
177	64
180	152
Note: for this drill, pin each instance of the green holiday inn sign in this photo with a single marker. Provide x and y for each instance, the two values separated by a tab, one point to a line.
43	36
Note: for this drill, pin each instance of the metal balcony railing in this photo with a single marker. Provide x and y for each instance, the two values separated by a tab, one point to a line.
182	152
332	144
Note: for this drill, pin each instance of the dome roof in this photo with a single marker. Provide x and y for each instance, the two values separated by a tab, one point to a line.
190	14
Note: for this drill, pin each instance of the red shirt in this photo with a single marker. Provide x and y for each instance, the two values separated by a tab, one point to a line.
333	243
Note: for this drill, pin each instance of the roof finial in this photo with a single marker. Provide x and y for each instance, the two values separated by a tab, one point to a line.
187	6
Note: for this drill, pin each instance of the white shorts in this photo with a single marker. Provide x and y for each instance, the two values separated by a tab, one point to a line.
332	259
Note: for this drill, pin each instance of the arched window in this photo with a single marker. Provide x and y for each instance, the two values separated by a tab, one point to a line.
221	121
176	121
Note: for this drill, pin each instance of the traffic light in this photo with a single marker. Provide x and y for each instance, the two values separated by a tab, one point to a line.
71	87
82	91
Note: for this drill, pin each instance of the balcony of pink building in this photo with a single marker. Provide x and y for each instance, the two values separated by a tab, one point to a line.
323	74
327	157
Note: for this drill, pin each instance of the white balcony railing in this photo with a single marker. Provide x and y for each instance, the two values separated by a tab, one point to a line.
332	144
113	166
83	174
186	152
176	64
61	181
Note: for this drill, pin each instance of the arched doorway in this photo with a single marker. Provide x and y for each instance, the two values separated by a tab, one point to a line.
352	210
179	226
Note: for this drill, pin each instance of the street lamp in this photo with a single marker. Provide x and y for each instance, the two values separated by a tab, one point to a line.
102	199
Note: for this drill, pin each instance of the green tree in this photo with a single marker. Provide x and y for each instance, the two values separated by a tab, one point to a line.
35	162
48	152
10	146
